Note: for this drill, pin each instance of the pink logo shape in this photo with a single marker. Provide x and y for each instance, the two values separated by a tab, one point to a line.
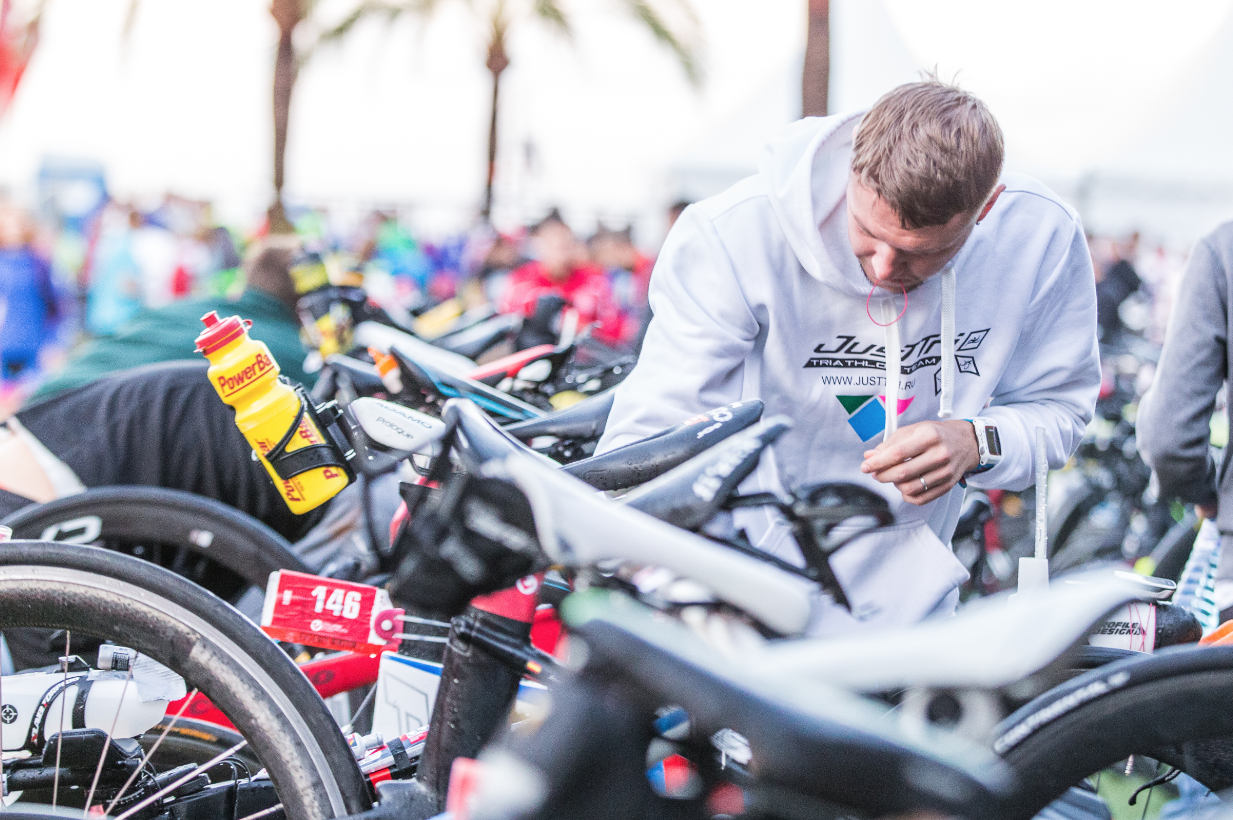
903	403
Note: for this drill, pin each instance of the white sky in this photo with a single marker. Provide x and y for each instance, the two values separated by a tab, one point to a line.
398	114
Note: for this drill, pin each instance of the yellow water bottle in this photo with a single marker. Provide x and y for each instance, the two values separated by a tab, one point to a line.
272	415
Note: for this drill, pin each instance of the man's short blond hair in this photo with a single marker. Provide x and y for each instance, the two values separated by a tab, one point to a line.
930	150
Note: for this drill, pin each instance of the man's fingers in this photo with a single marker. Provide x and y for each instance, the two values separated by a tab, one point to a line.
937	483
925	464
907	443
925	497
890	456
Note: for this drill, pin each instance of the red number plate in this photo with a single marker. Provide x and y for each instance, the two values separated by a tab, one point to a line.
329	614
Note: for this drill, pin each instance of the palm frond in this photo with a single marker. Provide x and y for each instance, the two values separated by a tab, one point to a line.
130	22
683	44
391	11
550	11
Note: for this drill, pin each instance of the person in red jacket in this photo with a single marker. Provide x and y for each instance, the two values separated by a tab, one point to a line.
560	267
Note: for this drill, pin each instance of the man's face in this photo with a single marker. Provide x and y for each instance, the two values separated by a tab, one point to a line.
556	248
894	257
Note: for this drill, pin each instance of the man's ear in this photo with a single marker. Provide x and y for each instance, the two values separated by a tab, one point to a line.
989	203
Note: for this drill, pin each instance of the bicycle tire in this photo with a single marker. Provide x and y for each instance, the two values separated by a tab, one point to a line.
1172	706
214	545
135	603
193	741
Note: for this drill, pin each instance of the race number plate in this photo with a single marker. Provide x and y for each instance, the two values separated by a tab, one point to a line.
329	614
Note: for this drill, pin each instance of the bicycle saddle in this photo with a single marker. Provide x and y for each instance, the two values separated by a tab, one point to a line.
814	740
439	382
584	420
496	371
478	339
362	375
576	527
692	494
386	339
639	462
990	643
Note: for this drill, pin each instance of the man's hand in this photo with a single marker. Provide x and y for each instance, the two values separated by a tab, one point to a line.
940	452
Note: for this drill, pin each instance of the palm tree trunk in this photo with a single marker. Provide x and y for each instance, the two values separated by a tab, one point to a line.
816	78
497	62
287	13
486	210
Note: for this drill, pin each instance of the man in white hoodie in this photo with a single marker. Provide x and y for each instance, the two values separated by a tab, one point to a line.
868	245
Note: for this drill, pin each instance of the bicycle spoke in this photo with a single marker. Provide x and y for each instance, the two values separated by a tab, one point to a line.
55	783
149	754
359	710
263	812
1151	789
180	561
201	568
209	764
98	770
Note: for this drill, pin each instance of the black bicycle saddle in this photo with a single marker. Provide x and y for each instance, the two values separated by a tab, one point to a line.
479	338
482	440
690	495
639	462
363	375
583	421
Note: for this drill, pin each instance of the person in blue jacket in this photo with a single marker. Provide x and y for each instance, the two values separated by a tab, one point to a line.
28	310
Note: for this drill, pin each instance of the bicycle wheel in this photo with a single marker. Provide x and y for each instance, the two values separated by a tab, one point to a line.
1172	706
204	540
94	592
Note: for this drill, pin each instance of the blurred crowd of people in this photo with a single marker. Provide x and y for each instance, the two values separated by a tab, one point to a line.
134	259
130	260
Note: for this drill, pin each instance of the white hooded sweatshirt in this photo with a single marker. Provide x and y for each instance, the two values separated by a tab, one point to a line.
757	294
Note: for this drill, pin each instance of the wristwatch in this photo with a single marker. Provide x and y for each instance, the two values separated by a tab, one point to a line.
988	443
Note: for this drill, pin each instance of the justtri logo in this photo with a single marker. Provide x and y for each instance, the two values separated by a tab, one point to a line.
867	414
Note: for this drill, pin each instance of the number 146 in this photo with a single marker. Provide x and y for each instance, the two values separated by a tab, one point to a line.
345	605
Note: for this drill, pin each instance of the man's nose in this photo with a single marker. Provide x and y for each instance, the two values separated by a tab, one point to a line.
882	264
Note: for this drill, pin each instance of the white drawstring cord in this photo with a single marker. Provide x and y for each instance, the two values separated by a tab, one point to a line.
891	329
948	342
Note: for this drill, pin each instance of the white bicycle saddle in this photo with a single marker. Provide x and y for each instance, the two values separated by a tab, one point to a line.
579	528
988	644
395	426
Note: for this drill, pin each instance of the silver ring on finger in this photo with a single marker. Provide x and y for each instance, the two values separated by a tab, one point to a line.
923	483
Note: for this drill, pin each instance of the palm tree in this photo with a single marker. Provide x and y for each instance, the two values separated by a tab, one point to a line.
817	75
287	14
497	16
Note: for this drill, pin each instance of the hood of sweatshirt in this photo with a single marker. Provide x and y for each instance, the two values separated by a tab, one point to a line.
805	171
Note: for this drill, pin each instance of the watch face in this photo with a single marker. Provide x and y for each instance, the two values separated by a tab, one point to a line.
992	441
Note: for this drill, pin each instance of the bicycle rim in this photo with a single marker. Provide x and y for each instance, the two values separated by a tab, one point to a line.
135	604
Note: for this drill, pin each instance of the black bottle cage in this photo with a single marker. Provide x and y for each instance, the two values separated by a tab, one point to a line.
328	454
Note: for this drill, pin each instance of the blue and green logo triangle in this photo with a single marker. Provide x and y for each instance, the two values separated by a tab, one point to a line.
867	414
